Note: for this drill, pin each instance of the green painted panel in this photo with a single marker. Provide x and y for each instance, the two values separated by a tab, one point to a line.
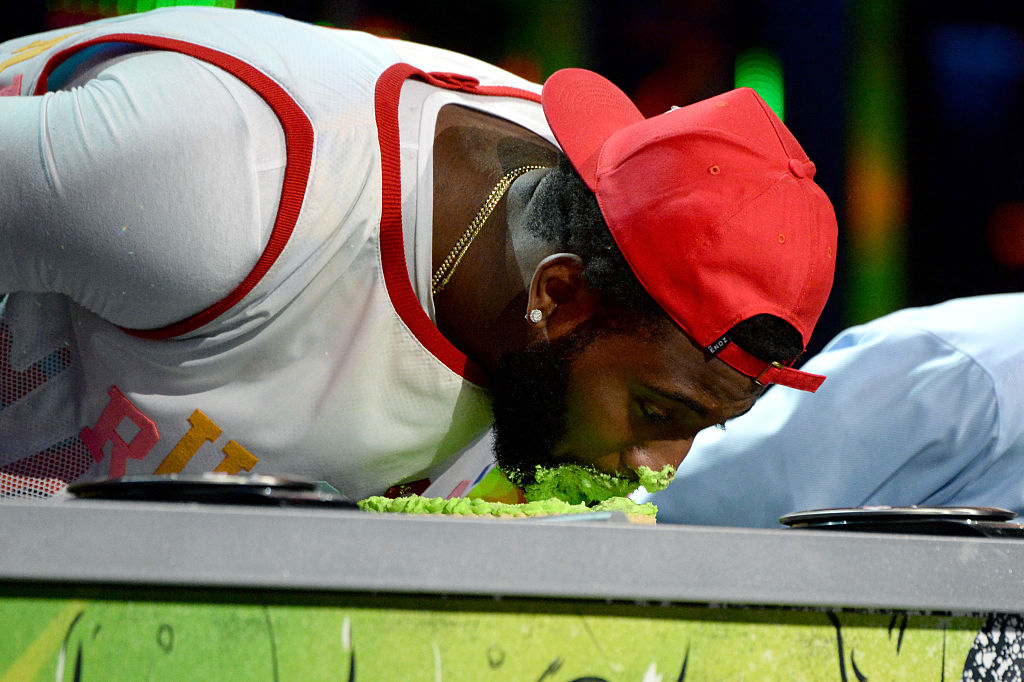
134	635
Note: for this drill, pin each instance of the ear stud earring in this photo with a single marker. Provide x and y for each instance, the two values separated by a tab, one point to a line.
535	316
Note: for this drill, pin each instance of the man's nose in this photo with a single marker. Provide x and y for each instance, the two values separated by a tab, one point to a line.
657	455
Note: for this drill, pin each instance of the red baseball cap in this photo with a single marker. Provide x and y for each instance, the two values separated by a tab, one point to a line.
713	205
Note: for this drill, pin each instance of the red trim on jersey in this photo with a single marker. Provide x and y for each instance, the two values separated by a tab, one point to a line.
392	241
298	135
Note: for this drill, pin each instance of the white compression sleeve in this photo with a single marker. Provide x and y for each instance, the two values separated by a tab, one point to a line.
145	194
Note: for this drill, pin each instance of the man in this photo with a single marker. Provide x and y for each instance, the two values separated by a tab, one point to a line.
236	242
922	407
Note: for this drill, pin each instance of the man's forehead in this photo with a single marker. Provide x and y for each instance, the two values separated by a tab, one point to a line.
689	370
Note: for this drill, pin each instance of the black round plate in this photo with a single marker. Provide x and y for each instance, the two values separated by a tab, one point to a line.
878	514
212	488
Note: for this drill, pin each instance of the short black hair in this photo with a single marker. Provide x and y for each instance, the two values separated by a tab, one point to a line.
568	214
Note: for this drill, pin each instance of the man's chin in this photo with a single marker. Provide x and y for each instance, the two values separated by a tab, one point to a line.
530	390
529	421
520	466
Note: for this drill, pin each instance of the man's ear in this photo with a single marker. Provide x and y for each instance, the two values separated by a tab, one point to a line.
558	299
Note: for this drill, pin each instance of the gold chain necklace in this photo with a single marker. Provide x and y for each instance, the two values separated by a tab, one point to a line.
447	268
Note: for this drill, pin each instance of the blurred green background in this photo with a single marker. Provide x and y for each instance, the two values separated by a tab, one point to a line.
910	109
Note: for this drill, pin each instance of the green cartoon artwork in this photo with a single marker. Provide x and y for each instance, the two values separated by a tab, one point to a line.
109	636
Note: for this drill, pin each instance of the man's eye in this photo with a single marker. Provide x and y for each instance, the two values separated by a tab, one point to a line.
654	414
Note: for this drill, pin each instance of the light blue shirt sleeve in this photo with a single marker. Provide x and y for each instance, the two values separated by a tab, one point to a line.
906	417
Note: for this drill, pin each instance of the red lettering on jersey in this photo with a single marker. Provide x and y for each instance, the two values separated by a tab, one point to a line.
12	90
117	411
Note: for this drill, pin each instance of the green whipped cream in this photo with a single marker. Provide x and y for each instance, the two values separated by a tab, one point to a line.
653	481
465	506
575	484
566	489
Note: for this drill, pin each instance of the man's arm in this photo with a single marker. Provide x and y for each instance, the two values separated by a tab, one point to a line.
145	194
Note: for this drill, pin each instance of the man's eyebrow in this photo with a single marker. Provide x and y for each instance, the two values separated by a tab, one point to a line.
700	409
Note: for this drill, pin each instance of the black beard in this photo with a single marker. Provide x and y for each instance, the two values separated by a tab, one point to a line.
530	390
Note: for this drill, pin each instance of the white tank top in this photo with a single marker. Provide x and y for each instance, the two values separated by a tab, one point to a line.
323	361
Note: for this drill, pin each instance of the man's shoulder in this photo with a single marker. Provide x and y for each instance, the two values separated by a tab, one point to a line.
972	322
979	336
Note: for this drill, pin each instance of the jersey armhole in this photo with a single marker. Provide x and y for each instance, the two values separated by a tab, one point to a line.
299	140
392	243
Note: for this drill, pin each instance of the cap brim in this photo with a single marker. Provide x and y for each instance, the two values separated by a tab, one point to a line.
584	109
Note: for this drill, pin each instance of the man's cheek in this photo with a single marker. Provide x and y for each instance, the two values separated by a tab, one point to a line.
592	429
